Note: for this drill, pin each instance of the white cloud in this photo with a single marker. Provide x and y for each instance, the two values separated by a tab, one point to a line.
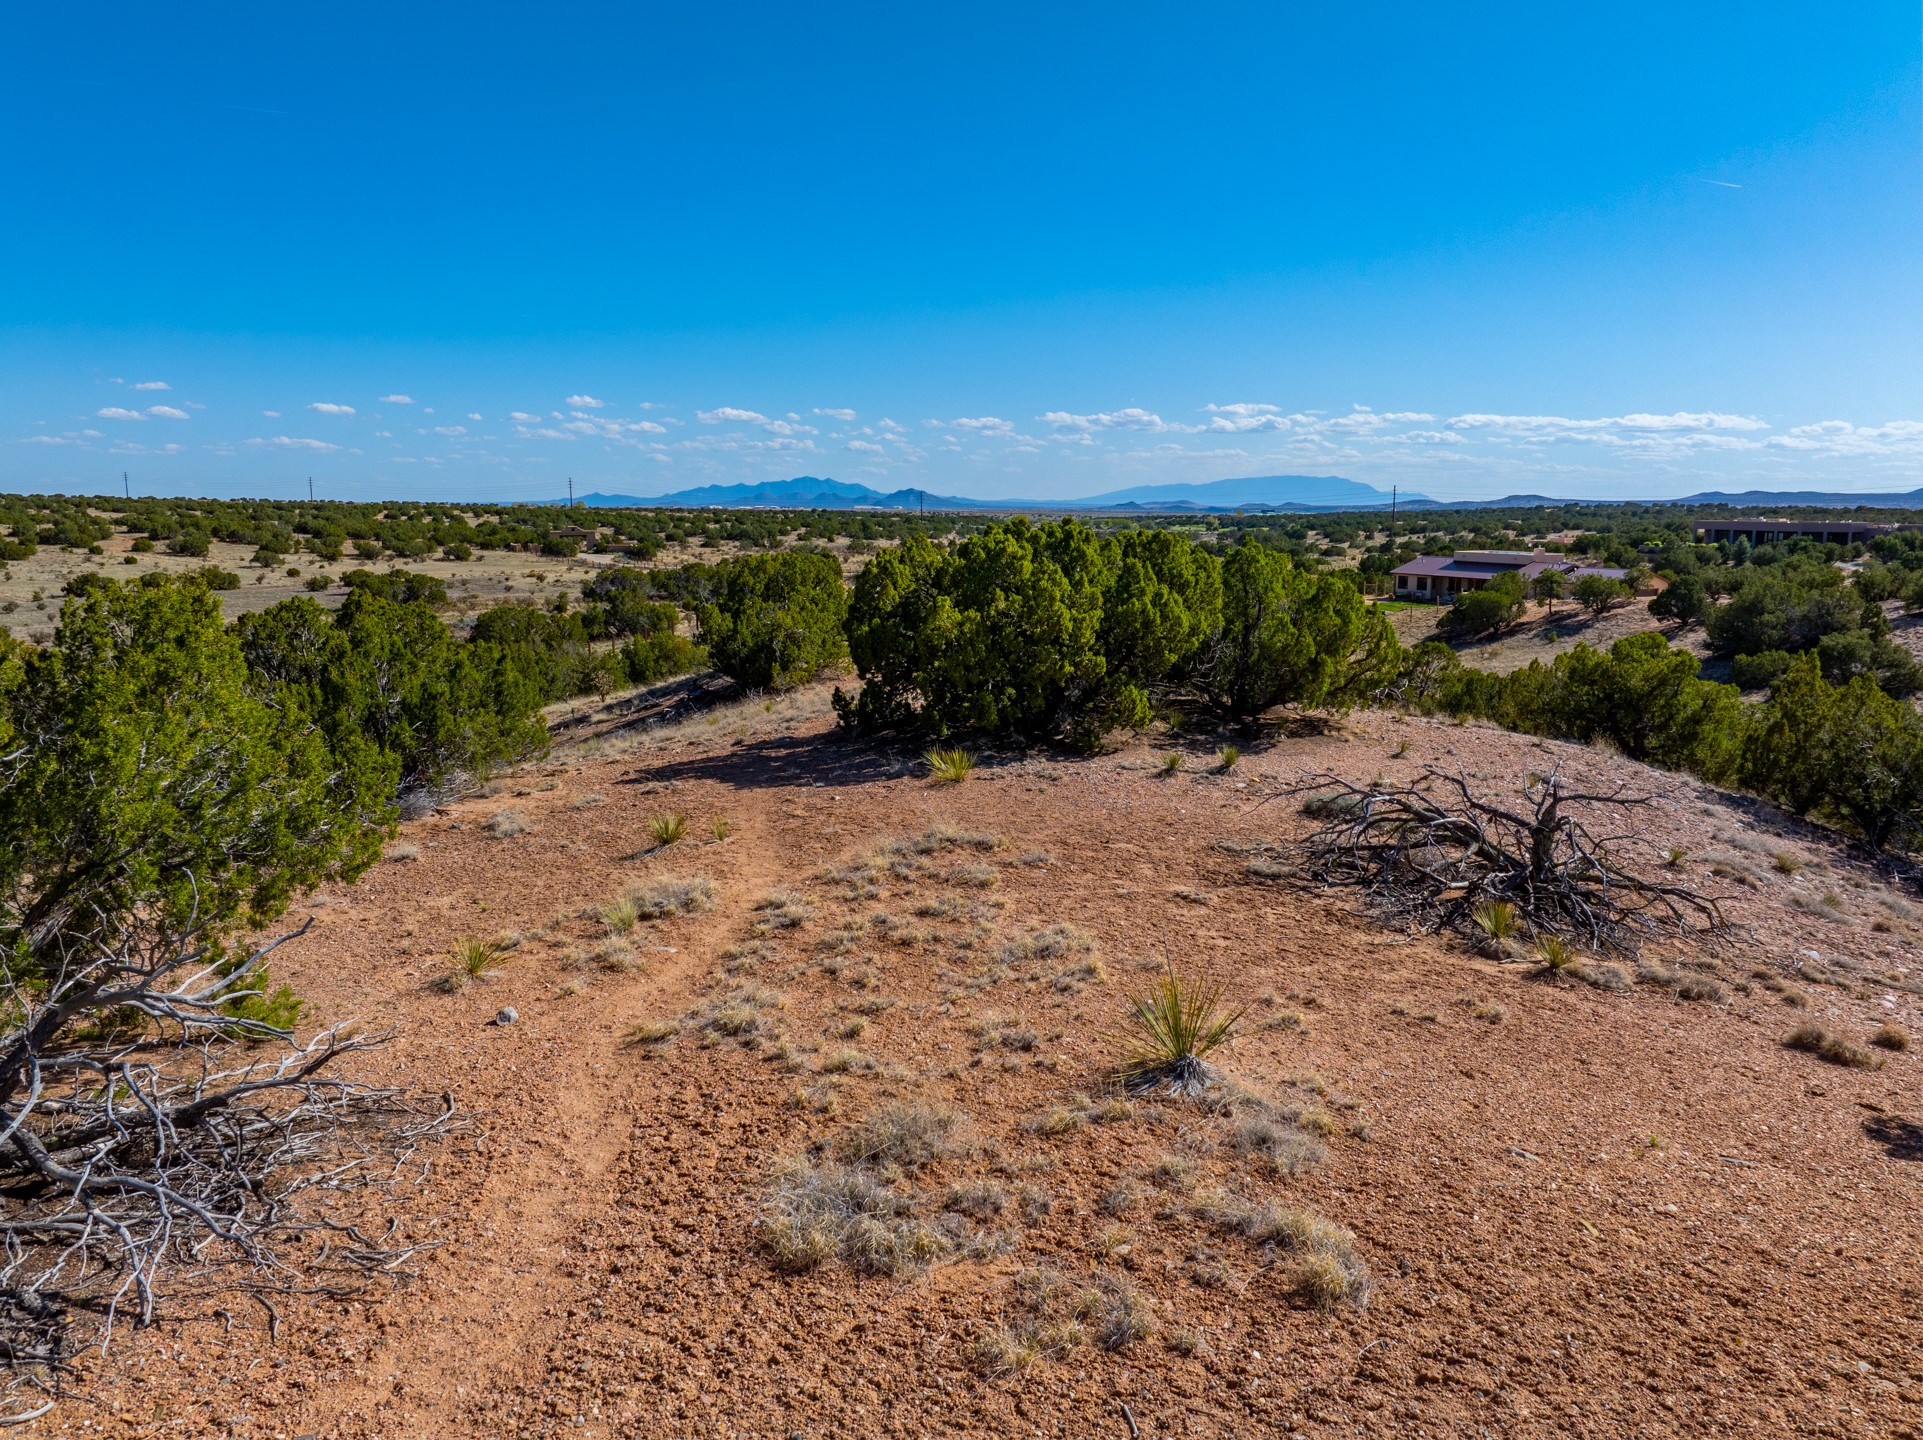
271	414
522	416
984	425
1562	426
729	414
1245	416
586	402
864	447
293	442
1425	437
397	399
166	412
1132	418
115	412
325	407
153	385
450	429
472	416
836	414
48	440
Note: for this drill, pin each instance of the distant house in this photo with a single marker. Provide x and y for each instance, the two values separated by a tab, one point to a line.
1443	577
572	532
1765	532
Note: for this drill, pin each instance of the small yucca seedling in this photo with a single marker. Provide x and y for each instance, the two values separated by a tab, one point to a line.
721	828
950	766
1498	919
1555	953
1674	857
473	960
668	829
1171	764
1171	1029
1227	756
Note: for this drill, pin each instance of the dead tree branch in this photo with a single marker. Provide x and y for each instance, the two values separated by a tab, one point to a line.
1428	854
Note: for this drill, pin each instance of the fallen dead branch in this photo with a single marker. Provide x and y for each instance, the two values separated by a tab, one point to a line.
1428	854
153	1143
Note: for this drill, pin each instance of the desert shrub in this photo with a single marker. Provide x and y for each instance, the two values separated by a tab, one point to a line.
815	1213
1683	600
403	587
1891	1036
1596	593
390	674
1289	636
1493	607
549	652
775	621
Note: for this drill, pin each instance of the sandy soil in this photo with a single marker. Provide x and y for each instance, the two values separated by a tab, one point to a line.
1584	1213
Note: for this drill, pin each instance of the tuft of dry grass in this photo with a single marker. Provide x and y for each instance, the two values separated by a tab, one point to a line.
402	852
667	895
1826	1044
1891	1036
815	1213
650	1032
905	1136
1227	758
1327	1270
1116	1313
506	824
1283	1149
781	910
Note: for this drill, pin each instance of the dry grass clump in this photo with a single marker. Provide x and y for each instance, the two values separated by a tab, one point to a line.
1699	988
1602	976
402	852
781	910
1283	1149
743	1015
650	1032
978	1199
1115	1312
1784	863
815	1213
1272	870
1054	942
1891	1036
847	1061
588	802
980	877
473	960
905	1136
1327	1270
1826	1044
1003	1032
942	837
1075	978
620	915
667	895
505	824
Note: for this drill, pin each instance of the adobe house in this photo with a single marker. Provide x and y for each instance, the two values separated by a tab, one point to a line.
1441	578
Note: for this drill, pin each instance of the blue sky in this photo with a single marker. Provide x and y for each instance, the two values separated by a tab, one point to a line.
1037	250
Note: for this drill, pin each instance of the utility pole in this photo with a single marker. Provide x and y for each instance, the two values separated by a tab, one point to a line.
570	492
310	489
1393	489
126	484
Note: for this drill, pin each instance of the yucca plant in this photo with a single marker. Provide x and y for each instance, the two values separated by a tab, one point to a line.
1227	756
473	960
1171	764
721	828
950	766
1498	919
668	829
1555	953
1170	1029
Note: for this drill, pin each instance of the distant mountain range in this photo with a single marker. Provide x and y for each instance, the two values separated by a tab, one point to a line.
1254	493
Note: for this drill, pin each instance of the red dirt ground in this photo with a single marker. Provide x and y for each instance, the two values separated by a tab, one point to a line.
1584	1213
